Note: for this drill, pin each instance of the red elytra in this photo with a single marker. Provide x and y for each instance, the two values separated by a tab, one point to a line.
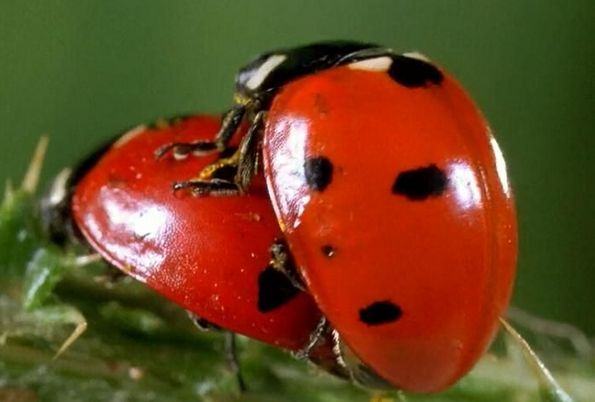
396	206
204	253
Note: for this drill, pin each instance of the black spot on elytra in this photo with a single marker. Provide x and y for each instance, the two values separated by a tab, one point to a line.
318	172
274	290
414	73
328	250
419	184
381	312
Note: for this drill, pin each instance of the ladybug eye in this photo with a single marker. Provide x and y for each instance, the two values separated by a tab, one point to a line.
419	184
381	312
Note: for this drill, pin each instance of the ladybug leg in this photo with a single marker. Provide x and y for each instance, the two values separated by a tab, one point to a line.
230	123
318	335
249	150
214	179
321	350
283	262
231	352
202	324
244	159
231	355
327	350
214	187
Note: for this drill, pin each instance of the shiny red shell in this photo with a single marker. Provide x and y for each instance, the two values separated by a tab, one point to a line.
414	278
204	253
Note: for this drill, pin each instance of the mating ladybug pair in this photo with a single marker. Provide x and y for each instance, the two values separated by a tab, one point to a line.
378	239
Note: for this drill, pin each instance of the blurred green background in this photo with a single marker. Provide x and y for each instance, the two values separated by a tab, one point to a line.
84	70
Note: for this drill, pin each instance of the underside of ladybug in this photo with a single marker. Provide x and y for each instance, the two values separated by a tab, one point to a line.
256	85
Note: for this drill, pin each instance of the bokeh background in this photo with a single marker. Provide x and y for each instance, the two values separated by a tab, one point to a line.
82	71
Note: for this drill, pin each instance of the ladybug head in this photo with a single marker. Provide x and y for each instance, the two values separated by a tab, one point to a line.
270	71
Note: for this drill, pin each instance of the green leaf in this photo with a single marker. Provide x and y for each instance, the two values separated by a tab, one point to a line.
20	234
43	273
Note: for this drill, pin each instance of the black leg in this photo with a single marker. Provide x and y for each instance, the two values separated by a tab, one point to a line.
202	324
231	355
322	350
244	161
212	187
315	337
230	350
230	123
248	152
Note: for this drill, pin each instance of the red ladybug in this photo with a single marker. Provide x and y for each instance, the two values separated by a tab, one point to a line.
399	215
209	255
394	199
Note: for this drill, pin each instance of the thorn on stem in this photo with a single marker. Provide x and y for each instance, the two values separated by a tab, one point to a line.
78	331
31	179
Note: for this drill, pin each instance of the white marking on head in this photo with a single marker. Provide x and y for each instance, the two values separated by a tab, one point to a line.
58	190
418	56
264	70
128	135
376	64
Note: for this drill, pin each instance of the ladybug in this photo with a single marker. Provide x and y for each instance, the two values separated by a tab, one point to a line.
393	196
210	256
